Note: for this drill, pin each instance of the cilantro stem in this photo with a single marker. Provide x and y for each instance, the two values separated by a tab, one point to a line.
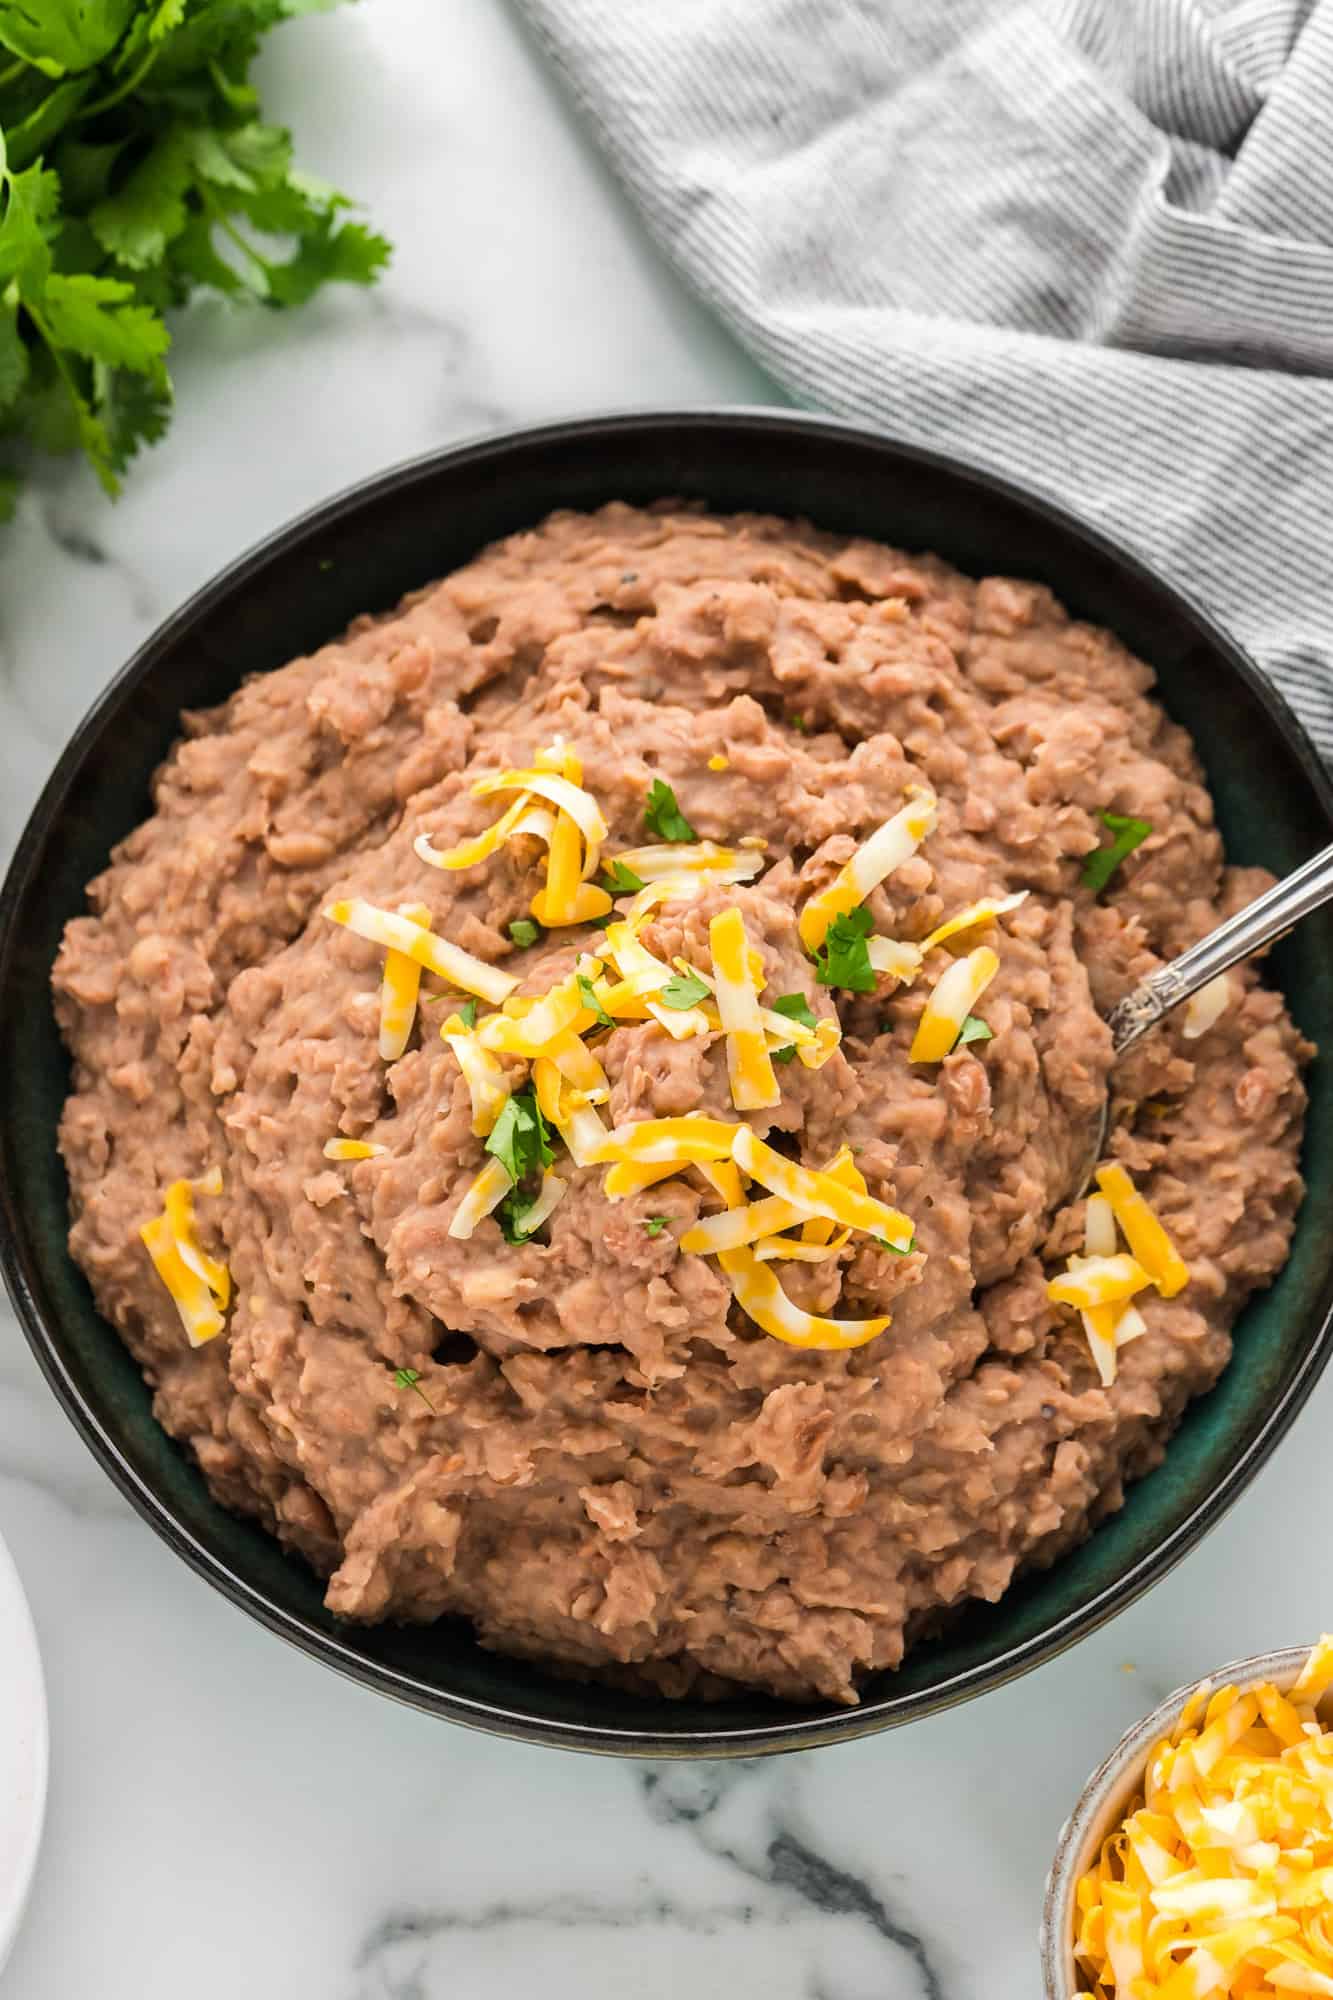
122	90
223	221
62	366
14	69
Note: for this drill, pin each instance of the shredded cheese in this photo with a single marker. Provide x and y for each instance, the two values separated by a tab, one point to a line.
754	1082
984	912
483	1075
876	858
396	933
1206	1006
1218	1881
468	853
719	762
200	1285
900	961
818	1193
531	1032
657	1141
352	1149
758	1293
1098	1281
1143	1232
954	995
566	796
701	857
399	990
568	1112
483	1195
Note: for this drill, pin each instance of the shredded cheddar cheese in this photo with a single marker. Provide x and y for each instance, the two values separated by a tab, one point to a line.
574	832
1098	1281
1218	1881
876	858
819	1194
1206	1006
415	941
952	999
352	1149
200	1285
483	1075
985	912
484	1195
754	1081
719	762
399	991
701	858
1143	1232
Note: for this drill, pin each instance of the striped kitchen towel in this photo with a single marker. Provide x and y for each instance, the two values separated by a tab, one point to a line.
1088	241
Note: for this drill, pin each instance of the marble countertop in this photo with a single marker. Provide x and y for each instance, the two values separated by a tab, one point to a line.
226	1815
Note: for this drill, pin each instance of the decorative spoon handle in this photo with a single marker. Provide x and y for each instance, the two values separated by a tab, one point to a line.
1239	937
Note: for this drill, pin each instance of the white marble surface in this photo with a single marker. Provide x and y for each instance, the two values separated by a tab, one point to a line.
226	1815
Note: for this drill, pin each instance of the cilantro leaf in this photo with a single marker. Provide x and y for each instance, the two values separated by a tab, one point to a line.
844	957
973	1030
60	35
410	1378
1101	864
96	317
662	816
467	1013
135	167
795	1007
655	1224
148	210
524	931
898	1250
682	990
592	1003
518	1139
619	880
512	1216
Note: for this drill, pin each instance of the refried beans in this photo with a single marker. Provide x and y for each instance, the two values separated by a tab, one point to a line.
580	1442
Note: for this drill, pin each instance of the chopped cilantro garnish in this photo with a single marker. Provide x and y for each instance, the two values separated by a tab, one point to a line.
844	957
682	990
796	1008
519	1138
973	1030
655	1224
410	1378
662	816
800	725
524	931
592	1003
905	1250
618	880
467	1013
1101	864
512	1216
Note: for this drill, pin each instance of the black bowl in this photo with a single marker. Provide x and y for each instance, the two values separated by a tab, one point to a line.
362	552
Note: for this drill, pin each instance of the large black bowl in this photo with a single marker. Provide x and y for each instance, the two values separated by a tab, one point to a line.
363	551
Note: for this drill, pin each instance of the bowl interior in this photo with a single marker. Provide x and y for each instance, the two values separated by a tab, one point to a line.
1109	1793
362	552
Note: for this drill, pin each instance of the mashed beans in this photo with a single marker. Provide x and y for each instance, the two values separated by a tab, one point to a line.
602	1462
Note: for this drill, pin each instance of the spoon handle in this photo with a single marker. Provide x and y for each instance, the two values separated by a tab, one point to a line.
1239	937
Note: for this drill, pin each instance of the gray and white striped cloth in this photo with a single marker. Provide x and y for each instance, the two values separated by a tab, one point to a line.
1088	241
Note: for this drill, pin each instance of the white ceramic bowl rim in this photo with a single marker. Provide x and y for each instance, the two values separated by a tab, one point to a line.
1105	1796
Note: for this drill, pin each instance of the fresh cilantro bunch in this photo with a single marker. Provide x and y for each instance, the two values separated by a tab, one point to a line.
135	167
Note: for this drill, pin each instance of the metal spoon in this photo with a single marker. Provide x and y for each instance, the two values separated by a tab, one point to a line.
1309	888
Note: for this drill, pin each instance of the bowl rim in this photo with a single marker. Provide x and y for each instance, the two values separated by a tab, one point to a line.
1107	1791
800	1730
